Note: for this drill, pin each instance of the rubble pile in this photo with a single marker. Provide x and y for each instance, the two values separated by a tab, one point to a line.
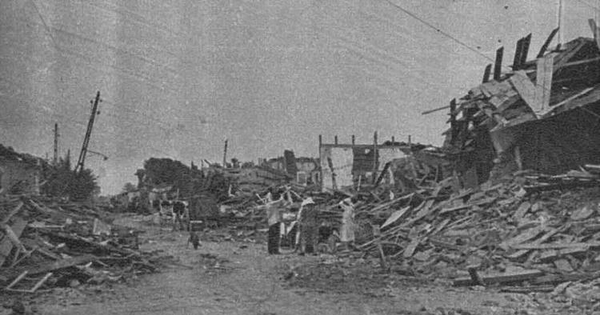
51	243
524	230
528	229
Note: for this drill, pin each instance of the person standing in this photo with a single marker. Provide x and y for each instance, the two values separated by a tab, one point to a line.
274	219
305	202
308	227
178	215
348	226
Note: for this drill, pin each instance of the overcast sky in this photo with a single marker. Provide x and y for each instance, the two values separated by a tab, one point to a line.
178	77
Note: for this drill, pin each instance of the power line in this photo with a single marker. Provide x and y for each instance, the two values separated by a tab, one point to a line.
458	41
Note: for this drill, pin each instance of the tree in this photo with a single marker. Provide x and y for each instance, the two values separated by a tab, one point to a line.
248	164
129	187
83	185
61	181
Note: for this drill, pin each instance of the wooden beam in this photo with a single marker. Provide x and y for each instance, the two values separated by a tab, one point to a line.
486	73
517	59
526	89
498	63
453	126
525	50
500	278
547	43
543	87
595	31
375	156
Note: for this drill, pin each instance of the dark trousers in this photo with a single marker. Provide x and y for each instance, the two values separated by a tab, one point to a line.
308	239
273	242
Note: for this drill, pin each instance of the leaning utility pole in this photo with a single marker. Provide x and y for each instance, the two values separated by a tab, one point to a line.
86	140
55	159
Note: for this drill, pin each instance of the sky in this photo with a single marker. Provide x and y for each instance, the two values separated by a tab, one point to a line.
177	78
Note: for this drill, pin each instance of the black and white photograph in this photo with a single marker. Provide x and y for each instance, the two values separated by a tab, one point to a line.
409	157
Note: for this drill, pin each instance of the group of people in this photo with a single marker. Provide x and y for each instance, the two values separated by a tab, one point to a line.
307	222
176	209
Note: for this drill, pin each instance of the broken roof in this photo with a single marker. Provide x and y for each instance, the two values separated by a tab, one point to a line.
531	109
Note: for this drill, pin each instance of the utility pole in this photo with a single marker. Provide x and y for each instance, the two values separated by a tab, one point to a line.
55	159
225	155
86	140
559	21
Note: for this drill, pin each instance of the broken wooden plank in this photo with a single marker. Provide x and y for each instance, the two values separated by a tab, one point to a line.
84	243
520	213
540	240
492	88
525	50
582	213
553	254
573	101
523	237
414	242
563	265
460	207
498	64
412	246
526	89
556	246
500	278
44	267
486	73
543	86
17	279
37	285
32	244
595	31
6	244
547	43
517	58
12	213
395	216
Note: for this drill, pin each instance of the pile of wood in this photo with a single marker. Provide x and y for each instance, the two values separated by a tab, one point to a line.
539	230
48	243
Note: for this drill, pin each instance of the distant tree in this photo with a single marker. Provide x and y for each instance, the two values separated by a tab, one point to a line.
160	171
170	172
129	187
248	165
64	182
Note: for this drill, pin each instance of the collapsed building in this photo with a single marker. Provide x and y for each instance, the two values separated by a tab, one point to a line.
541	116
402	165
19	173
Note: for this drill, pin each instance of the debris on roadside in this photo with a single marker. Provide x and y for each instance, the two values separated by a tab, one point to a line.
47	243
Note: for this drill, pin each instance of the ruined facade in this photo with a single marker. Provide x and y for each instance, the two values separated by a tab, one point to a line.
541	116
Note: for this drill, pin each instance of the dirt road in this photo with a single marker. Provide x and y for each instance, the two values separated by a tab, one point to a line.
232	277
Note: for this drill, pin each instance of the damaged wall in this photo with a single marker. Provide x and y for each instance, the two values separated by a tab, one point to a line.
342	164
559	143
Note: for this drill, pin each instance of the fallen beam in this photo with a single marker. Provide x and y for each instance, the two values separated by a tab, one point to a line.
502	278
